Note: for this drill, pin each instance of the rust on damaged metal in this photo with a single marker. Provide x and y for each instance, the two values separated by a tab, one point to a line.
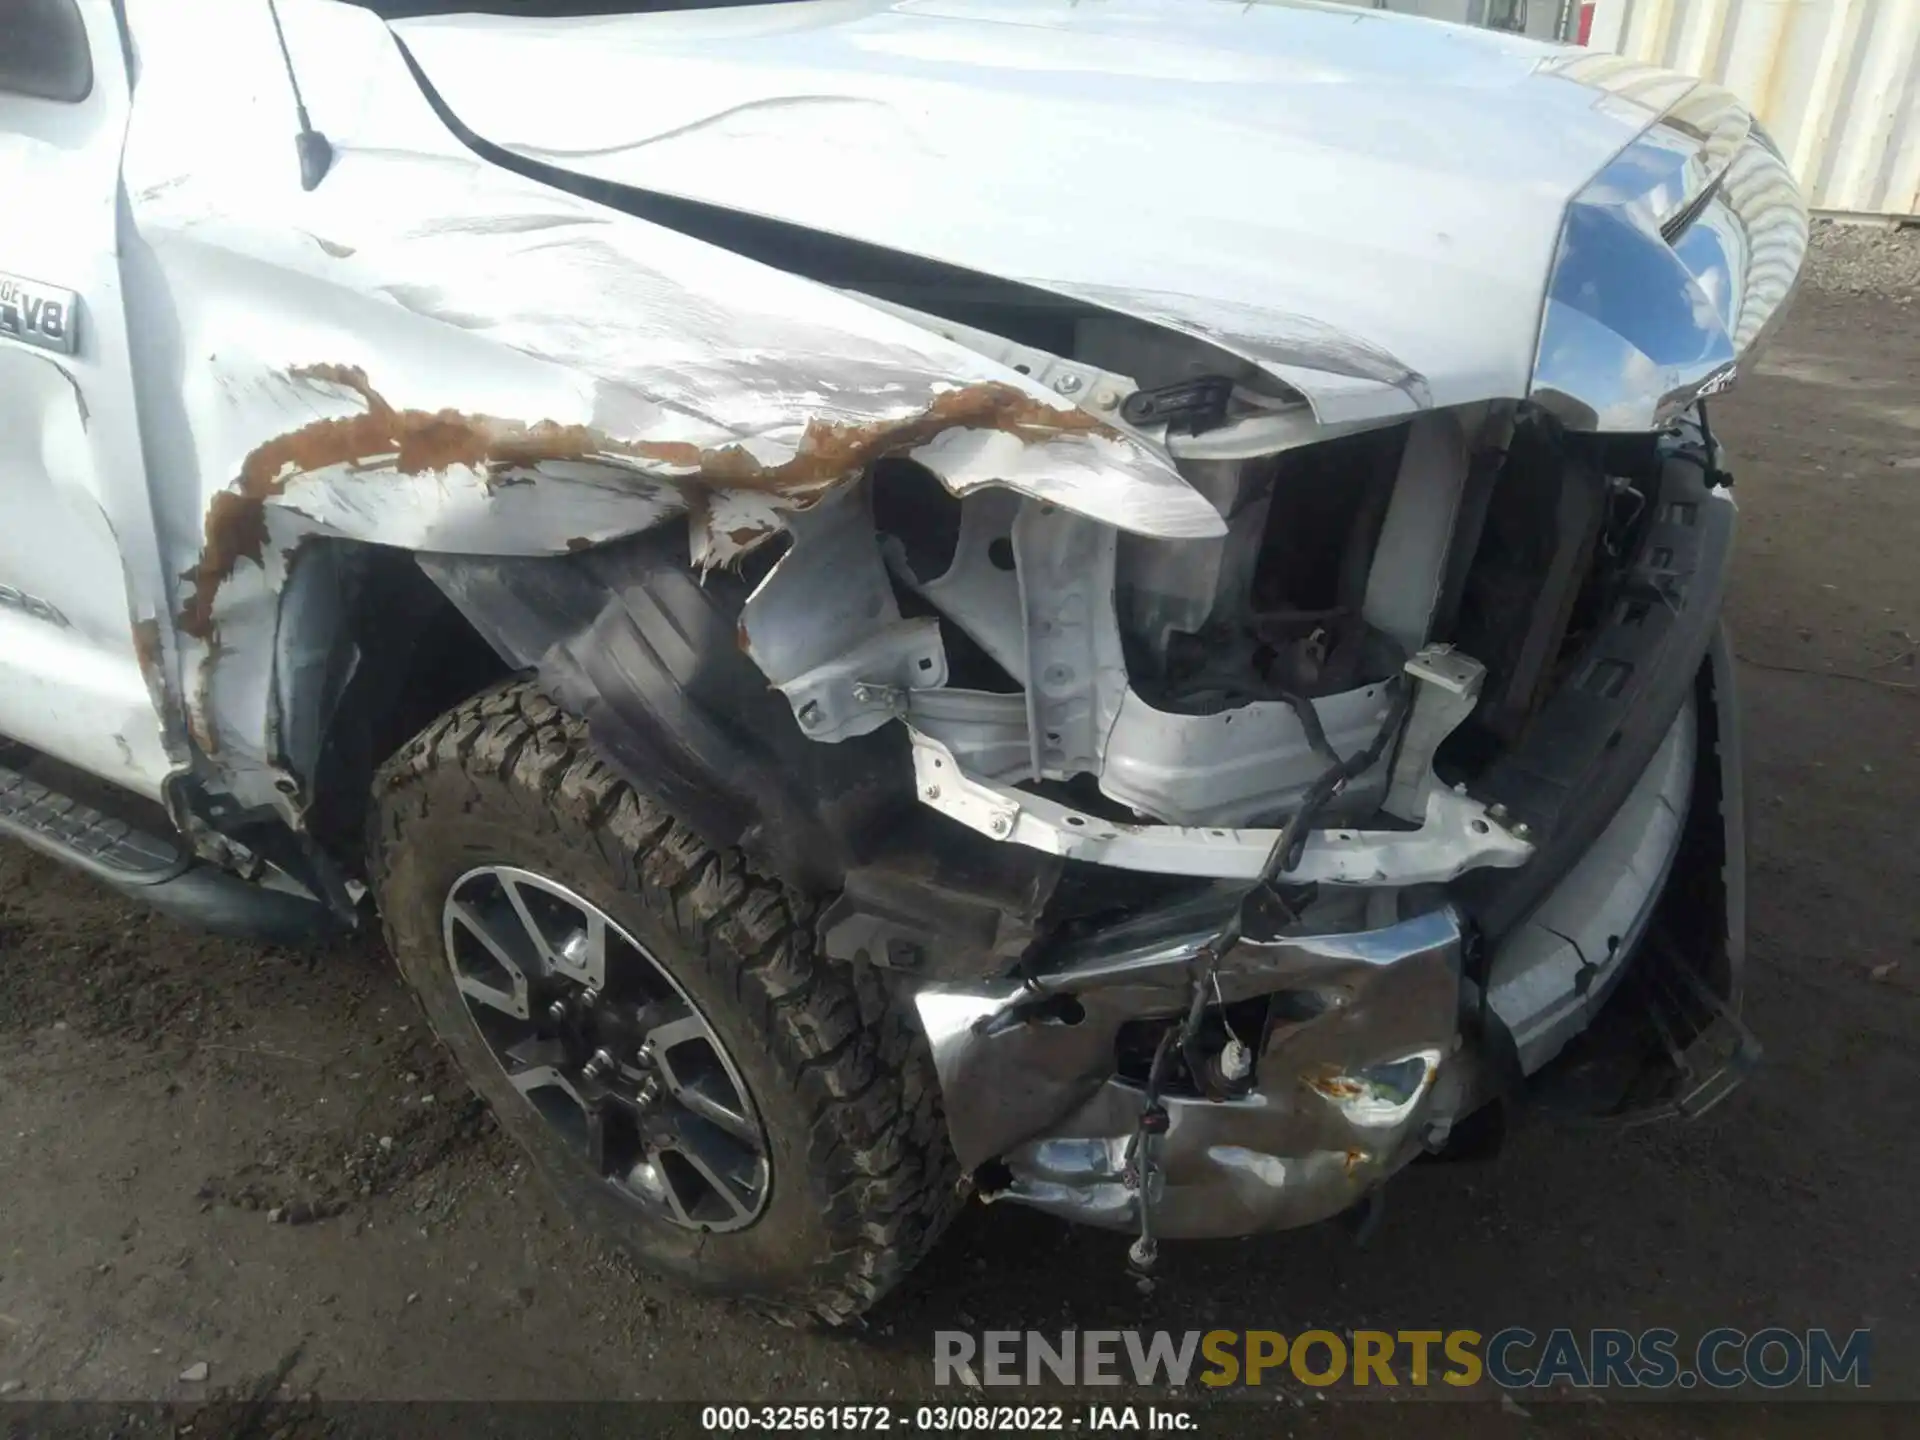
416	442
1334	1085
151	657
200	726
146	649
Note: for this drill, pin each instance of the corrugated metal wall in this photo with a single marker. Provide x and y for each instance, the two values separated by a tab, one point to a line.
1539	19
1836	83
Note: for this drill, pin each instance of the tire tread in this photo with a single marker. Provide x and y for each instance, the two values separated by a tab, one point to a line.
862	1070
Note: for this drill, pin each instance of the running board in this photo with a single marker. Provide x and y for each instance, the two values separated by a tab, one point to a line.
158	869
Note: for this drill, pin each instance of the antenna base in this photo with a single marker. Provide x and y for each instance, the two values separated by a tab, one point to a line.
316	157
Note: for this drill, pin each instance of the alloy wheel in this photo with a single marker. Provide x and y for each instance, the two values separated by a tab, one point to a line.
604	1043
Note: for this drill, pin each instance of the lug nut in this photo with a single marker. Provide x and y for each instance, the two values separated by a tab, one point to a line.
599	1065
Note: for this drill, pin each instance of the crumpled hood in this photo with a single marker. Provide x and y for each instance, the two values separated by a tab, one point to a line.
1366	204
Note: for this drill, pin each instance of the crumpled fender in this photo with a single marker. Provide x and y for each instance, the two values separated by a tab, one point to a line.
430	352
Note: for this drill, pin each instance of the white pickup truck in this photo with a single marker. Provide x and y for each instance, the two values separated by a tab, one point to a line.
1107	606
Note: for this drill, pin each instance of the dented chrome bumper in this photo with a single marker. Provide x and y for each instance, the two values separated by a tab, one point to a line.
1346	1087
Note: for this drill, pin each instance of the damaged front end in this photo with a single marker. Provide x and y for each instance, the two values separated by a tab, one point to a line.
1258	728
1232	866
1225	873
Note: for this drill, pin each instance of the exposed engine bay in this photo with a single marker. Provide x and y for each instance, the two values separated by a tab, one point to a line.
1156	697
1161	705
1214	847
1286	728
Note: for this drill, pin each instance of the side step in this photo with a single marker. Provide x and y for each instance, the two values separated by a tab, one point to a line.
155	868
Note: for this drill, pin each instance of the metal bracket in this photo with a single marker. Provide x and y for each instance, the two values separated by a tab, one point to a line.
1100	391
1457	833
1076	670
867	686
985	730
975	592
824	628
1449	684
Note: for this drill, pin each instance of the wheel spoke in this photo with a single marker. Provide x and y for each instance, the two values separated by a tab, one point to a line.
734	1180
585	954
533	1053
545	1077
512	1002
740	1127
674	1025
576	946
670	1191
507	1002
532	926
698	1079
597	1138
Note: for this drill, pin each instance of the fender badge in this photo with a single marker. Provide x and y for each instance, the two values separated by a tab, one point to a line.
38	314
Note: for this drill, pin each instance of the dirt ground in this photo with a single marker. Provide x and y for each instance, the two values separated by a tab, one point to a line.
216	1155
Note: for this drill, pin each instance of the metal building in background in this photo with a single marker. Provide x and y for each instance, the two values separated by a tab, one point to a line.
1836	83
1538	19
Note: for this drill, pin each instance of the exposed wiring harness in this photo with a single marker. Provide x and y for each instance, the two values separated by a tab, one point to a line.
1285	854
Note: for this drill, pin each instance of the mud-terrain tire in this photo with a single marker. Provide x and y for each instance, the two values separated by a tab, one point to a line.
860	1179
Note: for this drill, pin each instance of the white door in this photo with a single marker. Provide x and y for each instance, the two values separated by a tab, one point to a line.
72	486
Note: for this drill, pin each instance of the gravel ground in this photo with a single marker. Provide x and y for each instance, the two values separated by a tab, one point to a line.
1866	260
229	1172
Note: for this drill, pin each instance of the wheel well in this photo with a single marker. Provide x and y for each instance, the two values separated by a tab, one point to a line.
408	656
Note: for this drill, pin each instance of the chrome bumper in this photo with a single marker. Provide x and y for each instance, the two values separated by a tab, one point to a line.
1346	1090
1375	1041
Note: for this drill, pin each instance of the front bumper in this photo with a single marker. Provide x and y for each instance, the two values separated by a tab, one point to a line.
1347	1092
1374	1042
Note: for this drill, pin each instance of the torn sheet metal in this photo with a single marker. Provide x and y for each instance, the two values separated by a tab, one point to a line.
1254	175
430	352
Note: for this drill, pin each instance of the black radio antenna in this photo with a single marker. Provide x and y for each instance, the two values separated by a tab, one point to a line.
315	150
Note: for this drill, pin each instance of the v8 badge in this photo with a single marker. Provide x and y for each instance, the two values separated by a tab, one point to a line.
38	314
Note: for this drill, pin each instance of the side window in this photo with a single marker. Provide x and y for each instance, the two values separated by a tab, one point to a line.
43	50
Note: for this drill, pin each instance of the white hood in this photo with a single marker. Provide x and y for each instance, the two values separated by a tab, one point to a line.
1367	205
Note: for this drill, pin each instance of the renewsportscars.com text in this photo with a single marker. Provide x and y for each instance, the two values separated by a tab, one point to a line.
1514	1358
